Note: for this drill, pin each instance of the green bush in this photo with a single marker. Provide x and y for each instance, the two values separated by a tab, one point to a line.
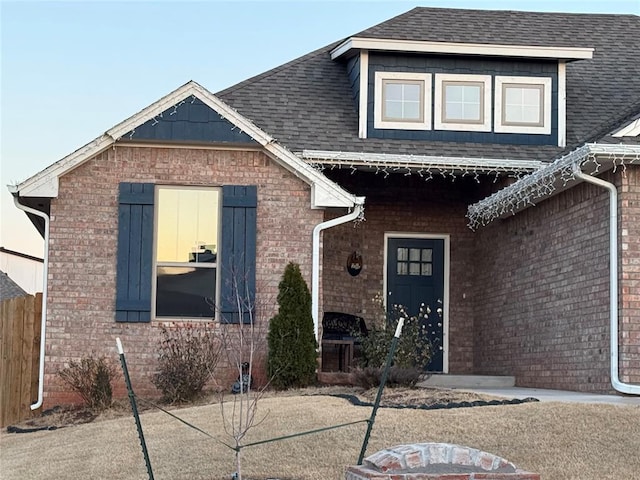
187	356
91	378
292	344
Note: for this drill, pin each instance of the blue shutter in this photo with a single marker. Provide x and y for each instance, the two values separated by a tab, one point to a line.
135	252
238	252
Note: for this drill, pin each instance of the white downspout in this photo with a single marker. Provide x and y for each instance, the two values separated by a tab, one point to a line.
613	279
43	320
315	259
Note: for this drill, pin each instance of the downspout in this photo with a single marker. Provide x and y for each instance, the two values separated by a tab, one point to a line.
43	320
613	279
315	259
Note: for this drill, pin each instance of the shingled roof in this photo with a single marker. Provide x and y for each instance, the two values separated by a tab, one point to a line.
307	103
9	288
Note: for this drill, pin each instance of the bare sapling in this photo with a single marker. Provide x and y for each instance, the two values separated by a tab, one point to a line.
244	343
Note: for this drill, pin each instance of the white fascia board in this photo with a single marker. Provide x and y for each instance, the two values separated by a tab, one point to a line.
416	46
420	161
630	130
45	183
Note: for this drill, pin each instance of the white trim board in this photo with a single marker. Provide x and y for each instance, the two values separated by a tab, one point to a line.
497	50
447	264
324	192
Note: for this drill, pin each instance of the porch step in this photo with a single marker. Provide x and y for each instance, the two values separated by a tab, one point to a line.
468	381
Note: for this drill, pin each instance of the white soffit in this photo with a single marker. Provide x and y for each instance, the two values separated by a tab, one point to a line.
326	193
497	50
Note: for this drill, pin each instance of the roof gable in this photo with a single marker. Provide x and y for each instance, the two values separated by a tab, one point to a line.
325	193
190	120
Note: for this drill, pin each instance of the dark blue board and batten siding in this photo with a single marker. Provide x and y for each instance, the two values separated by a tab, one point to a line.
134	269
379	62
189	121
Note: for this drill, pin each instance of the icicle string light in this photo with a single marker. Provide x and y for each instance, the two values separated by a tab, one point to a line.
554	177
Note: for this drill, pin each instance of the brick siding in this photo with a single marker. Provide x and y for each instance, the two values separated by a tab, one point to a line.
542	290
84	226
408	205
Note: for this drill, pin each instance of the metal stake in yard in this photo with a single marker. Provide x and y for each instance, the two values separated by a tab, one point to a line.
134	408
383	380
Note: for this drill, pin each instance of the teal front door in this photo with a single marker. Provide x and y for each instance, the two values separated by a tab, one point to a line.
415	276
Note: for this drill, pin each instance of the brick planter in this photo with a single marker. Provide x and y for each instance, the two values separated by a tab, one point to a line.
425	461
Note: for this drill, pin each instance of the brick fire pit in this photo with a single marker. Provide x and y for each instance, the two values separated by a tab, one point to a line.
444	461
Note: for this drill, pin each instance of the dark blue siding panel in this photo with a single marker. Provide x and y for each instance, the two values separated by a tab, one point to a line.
238	252
353	71
189	121
135	245
462	65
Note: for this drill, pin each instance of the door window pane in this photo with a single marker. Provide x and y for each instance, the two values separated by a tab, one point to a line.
427	254
403	268
403	254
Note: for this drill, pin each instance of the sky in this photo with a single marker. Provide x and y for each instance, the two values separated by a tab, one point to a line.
69	71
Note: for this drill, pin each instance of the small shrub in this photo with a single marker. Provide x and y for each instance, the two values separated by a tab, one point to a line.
91	378
187	354
292	344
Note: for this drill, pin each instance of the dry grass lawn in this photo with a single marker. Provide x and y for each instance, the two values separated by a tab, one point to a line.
560	441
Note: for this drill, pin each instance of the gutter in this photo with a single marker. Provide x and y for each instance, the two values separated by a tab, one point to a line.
358	209
613	280
43	320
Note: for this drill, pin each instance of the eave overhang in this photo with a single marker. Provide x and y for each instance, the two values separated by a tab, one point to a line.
424	164
442	48
591	158
324	192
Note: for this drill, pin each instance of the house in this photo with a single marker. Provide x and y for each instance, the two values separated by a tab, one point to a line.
425	125
8	288
26	270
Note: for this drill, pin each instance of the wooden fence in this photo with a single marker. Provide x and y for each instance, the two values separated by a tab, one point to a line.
20	320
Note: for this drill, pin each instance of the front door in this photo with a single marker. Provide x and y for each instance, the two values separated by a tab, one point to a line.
415	276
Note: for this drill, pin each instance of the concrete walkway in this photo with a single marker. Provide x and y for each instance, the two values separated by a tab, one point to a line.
557	395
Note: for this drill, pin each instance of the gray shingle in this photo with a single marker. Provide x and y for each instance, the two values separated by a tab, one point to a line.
9	288
307	103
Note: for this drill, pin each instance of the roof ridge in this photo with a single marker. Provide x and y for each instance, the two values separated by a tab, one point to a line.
527	12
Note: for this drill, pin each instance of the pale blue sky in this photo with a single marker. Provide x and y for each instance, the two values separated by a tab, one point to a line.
72	70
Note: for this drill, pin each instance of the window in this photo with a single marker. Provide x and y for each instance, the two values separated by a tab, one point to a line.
204	252
523	105
462	102
402	101
415	261
187	226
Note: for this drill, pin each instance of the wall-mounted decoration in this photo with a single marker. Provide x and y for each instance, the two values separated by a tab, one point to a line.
354	264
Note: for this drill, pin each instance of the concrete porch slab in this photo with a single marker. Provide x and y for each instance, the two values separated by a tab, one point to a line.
468	381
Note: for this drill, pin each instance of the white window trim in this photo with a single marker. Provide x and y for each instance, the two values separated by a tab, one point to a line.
378	122
441	124
545	129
